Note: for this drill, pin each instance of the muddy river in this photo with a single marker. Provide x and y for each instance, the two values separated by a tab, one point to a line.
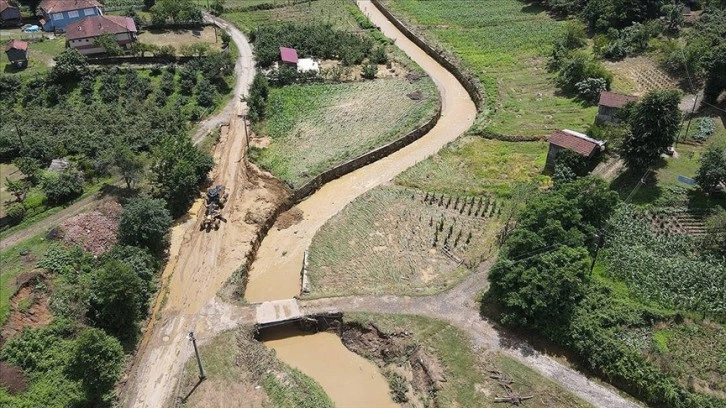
347	378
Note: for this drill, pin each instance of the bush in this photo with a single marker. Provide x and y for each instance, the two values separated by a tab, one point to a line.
579	67
62	187
589	89
144	222
16	212
257	98
369	71
115	303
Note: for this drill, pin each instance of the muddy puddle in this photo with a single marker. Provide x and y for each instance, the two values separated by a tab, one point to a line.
349	379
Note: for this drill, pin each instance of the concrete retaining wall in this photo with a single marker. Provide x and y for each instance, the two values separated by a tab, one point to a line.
469	83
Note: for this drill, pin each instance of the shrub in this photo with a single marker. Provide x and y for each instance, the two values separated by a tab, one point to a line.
589	89
369	71
257	98
16	212
62	187
144	222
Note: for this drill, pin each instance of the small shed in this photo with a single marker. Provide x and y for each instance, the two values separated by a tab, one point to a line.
307	65
288	56
573	141
58	165
17	52
609	105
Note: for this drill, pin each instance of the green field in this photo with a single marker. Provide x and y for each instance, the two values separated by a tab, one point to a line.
473	166
390	241
467	378
505	43
315	127
339	13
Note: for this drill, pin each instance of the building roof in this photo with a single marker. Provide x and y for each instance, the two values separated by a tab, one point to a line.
94	26
59	6
575	141
288	55
16	45
4	5
615	100
307	64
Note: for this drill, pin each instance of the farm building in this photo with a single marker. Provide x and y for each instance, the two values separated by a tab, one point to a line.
56	15
9	13
82	34
288	56
574	141
17	52
609	105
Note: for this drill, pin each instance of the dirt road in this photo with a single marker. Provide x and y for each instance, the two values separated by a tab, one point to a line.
200	262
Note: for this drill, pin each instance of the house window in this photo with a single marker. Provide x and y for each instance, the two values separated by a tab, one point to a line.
73	14
57	16
88	12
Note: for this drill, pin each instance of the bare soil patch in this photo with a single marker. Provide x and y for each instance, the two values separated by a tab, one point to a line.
181	37
639	76
289	218
94	230
12	379
28	307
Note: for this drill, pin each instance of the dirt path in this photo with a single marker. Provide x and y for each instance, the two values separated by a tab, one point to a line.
88	203
200	263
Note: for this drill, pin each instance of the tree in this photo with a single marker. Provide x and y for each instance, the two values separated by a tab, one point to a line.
30	167
712	171
654	124
217	7
129	164
70	66
178	11
166	84
257	98
543	290
96	360
115	303
144	222
715	79
148	4
63	186
109	44
205	93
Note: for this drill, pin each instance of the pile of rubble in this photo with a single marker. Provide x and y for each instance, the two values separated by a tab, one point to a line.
95	230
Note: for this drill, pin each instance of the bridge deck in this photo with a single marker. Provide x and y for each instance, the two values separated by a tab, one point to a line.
277	311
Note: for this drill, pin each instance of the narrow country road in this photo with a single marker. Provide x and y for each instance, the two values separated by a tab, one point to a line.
223	117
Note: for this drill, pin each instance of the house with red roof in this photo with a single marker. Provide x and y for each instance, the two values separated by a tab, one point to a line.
609	105
55	15
17	52
9	13
573	141
82	34
288	56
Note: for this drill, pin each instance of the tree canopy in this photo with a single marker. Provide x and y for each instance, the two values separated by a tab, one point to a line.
145	221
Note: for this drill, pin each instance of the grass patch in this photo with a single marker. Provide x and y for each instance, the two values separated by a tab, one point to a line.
505	43
180	37
383	242
662	188
315	127
240	368
473	166
40	53
467	380
13	264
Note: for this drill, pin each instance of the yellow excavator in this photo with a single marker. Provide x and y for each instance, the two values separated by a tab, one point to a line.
214	202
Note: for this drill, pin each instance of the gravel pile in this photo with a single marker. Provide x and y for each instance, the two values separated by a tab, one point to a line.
94	230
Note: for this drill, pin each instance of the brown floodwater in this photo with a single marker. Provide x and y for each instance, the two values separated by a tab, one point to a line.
350	380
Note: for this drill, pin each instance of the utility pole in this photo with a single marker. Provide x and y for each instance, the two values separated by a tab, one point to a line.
690	116
202	376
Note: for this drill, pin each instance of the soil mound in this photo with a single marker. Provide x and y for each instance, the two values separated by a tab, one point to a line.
12	379
94	230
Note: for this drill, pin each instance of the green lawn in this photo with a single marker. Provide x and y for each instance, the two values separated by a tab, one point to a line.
13	263
40	53
472	165
505	43
315	127
467	378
